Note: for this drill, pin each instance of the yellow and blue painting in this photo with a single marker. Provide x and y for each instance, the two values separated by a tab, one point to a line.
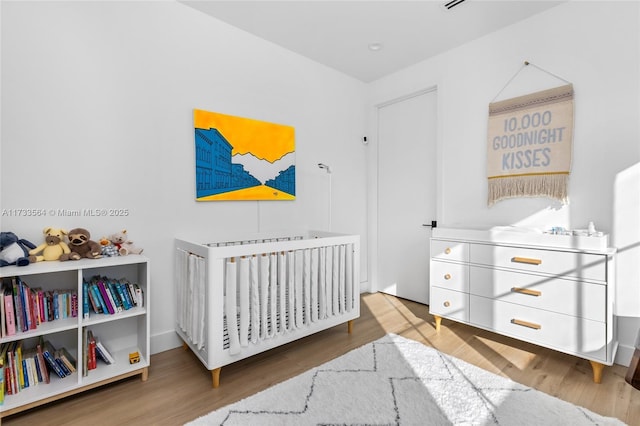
243	159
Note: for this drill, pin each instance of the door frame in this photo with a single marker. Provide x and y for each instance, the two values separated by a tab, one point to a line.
374	283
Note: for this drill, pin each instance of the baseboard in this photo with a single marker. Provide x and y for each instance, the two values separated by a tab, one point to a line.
166	340
624	355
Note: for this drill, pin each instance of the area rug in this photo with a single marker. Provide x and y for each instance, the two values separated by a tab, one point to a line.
396	381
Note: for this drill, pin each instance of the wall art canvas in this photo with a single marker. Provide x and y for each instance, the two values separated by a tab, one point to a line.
243	159
529	145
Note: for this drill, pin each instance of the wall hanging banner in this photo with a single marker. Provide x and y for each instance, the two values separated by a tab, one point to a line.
529	145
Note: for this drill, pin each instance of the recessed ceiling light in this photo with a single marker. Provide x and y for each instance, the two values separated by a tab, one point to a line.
375	46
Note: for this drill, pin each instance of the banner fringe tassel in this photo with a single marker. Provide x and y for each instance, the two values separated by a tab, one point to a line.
549	185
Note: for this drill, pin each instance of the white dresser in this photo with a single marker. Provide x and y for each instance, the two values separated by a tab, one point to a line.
551	290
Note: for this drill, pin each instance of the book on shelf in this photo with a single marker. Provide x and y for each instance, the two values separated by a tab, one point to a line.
122	301
10	320
56	304
49	297
85	299
62	365
3	315
17	305
43	363
106	297
41	305
91	351
131	291
3	354
1	386
68	360
103	353
95	297
18	363
74	304
124	285
85	352
113	294
139	295
49	355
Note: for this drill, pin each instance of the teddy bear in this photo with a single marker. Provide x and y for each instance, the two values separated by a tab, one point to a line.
52	248
124	246
14	250
107	248
82	246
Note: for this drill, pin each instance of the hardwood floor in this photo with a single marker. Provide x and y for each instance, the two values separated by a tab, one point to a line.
179	387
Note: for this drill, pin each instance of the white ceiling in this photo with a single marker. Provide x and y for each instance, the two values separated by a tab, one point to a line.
338	33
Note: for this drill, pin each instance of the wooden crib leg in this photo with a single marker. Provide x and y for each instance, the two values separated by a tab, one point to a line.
350	326
215	376
185	346
597	371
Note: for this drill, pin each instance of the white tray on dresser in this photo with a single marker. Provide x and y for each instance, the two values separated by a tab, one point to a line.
555	291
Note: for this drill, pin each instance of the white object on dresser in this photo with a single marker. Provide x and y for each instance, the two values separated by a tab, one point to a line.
123	332
549	290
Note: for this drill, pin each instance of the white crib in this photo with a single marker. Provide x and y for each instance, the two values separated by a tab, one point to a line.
237	298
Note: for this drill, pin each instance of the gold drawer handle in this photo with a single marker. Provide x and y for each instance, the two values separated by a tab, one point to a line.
447	251
526	324
447	276
527	260
446	304
526	291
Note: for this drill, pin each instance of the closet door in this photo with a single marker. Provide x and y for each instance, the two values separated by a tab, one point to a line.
406	194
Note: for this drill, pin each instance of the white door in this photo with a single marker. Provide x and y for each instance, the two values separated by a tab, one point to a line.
406	194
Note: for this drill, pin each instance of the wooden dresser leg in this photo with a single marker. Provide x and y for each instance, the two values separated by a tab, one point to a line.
350	326
215	376
185	346
438	322
145	374
597	371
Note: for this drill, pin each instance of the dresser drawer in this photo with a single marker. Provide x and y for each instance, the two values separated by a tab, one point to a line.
577	265
449	304
578	299
561	332
453	276
450	250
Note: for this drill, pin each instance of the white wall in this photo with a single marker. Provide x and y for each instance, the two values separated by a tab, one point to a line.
594	45
97	101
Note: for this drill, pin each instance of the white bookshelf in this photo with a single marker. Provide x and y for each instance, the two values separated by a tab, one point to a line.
122	333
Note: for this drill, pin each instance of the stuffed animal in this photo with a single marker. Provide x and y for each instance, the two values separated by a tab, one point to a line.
14	250
52	248
124	246
107	248
82	246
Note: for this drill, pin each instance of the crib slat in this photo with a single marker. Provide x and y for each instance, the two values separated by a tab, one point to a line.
349	277
335	280
314	285
244	303
254	297
306	285
231	307
282	293
298	298
291	307
322	291
264	294
273	294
